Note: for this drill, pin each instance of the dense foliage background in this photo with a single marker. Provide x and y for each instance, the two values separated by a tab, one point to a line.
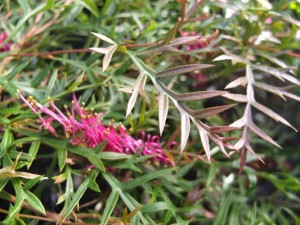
180	68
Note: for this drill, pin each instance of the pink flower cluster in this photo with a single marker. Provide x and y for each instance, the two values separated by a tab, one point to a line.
7	46
198	43
86	127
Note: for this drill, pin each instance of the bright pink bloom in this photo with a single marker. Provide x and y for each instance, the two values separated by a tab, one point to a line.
7	46
86	127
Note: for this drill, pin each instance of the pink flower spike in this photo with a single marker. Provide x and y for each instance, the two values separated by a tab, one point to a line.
85	128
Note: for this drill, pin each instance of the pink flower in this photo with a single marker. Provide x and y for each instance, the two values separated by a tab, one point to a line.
7	46
86	127
198	44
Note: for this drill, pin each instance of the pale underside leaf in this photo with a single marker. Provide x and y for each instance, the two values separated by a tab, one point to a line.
203	113
272	114
262	134
204	139
138	87
198	95
241	81
236	97
104	38
229	56
290	95
278	74
182	69
239	123
163	107
185	128
107	57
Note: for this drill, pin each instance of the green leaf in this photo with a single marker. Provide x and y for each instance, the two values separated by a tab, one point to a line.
143	179
34	202
79	193
155	207
90	5
62	154
20	197
17	70
34	147
113	156
6	140
211	174
97	162
223	211
110	205
51	83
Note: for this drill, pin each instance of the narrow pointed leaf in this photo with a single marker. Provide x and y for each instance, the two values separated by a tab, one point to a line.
278	74
110	205
182	69
262	134
100	50
239	123
104	38
203	113
107	57
290	95
236	97
270	88
138	86
249	148
272	114
198	95
241	81
221	129
34	202
183	40
185	129
204	140
163	108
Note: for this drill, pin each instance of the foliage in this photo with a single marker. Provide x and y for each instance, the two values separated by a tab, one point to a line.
216	68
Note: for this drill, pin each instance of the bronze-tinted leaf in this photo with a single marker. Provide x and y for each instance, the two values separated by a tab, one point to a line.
203	113
272	114
262	134
198	95
182	69
249	148
221	129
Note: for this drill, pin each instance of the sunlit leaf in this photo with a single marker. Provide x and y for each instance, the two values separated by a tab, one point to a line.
185	129
104	38
138	87
241	81
236	97
163	108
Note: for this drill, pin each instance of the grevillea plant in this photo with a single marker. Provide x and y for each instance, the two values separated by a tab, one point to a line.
149	112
